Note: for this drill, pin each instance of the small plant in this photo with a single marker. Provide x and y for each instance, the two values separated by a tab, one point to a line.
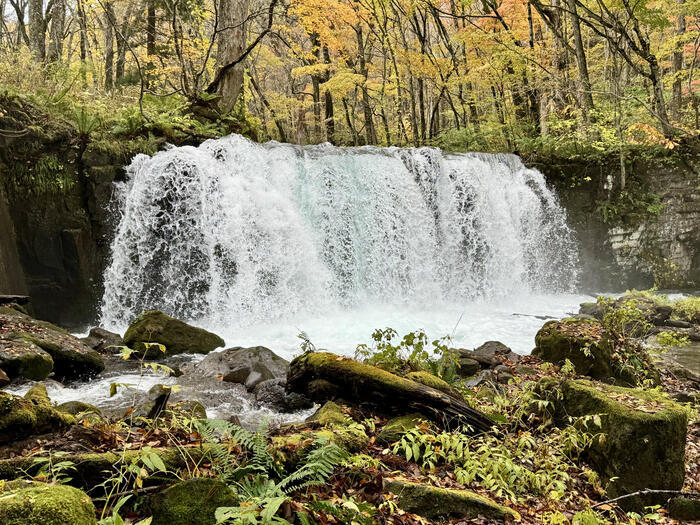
52	469
672	339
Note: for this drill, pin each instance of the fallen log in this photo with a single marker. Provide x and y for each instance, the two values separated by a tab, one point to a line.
323	376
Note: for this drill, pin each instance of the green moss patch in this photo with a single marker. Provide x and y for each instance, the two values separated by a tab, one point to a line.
40	504
191	502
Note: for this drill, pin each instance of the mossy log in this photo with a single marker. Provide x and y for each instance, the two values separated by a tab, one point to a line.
388	393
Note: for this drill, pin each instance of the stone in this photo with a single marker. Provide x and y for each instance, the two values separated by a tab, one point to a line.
103	340
592	309
4	380
191	502
395	428
188	408
685	510
155	401
272	393
33	414
41	504
78	407
467	366
24	359
248	366
428	379
436	503
573	339
72	359
645	435
178	337
487	355
330	414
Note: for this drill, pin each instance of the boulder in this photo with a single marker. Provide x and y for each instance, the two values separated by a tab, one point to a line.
644	436
154	402
191	502
685	510
78	407
467	366
103	340
436	503
4	380
272	393
386	392
33	414
24	359
488	355
581	341
177	336
248	366
330	414
32	503
397	427
72	359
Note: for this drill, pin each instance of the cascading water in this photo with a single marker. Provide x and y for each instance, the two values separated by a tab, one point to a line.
234	234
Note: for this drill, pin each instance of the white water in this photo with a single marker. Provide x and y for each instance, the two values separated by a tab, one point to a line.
257	242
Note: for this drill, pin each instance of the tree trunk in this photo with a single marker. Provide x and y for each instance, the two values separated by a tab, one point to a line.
231	44
58	19
586	98
109	46
352	381
328	101
676	99
37	29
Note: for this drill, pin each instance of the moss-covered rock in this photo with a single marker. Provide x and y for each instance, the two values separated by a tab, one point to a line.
178	337
442	504
72	359
644	436
33	414
24	359
41	504
397	427
428	379
581	341
78	407
331	414
191	502
685	510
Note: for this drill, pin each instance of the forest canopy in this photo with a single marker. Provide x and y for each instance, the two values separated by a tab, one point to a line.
494	75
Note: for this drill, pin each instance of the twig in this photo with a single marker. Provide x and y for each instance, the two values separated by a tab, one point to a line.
643	492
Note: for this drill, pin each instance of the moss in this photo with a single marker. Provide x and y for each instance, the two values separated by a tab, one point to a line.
397	427
191	502
41	504
78	407
437	503
22	417
644	437
177	336
684	509
428	379
25	359
331	414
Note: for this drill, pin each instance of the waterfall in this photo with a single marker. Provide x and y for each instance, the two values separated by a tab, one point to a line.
233	232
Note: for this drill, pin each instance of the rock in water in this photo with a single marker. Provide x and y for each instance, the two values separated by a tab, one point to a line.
191	502
72	359
272	393
248	366
177	336
31	503
24	359
437	503
361	383
644	437
103	340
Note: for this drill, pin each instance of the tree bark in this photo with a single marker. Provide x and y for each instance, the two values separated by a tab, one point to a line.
586	95
231	44
37	29
676	99
58	19
109	46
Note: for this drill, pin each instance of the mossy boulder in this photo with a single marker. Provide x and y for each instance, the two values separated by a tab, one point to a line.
33	414
78	407
331	414
191	502
685	510
42	504
178	337
24	359
397	427
436	503
644	436
428	379
581	341
72	359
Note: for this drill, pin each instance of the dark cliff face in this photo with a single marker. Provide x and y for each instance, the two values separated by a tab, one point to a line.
55	196
645	233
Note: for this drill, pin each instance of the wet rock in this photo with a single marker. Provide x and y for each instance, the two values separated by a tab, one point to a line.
177	336
72	359
191	502
645	435
397	427
661	315
436	503
103	340
78	407
467	366
685	510
272	393
4	380
592	309
154	402
31	503
248	366
24	359
487	356
30	415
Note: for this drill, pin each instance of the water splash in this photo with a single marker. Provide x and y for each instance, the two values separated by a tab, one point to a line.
233	233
